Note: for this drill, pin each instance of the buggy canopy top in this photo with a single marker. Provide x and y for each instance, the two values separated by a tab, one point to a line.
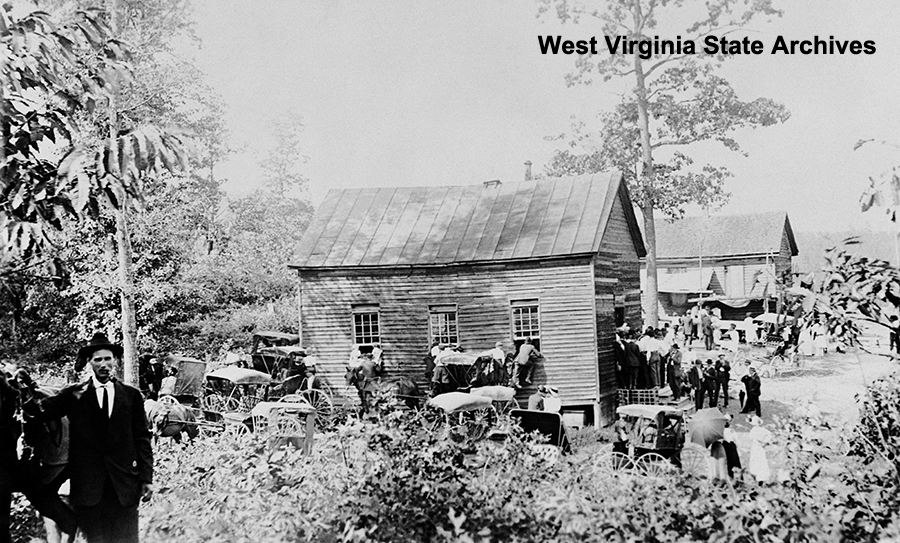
457	402
289	339
240	376
646	411
284	350
190	374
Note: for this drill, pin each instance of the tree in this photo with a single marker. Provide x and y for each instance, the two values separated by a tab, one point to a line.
282	163
53	74
677	100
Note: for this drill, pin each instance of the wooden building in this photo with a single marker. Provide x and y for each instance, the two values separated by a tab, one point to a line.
739	260
552	259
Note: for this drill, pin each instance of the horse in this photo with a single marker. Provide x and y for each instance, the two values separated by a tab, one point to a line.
170	420
42	469
366	378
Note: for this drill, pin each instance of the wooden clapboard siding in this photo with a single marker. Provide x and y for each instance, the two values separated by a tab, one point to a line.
616	283
482	295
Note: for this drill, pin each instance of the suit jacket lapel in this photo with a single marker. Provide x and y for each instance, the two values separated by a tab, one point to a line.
90	395
119	398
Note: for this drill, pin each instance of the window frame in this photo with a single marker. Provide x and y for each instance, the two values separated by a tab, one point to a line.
444	310
363	312
533	319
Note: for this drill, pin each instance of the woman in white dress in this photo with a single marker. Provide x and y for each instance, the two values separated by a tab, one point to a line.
759	464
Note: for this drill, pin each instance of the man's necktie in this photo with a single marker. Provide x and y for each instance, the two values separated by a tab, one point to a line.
105	405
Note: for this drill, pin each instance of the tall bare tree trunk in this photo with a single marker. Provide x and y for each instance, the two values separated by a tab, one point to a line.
126	295
123	245
651	295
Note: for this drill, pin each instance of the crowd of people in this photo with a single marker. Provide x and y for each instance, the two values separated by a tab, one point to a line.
654	360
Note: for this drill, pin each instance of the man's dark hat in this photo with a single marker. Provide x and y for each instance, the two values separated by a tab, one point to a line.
97	343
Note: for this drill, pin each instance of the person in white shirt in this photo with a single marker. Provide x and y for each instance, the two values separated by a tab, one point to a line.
750	333
497	353
435	349
733	339
377	355
168	383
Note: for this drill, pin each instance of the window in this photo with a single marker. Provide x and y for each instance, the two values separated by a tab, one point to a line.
525	321
366	326
442	323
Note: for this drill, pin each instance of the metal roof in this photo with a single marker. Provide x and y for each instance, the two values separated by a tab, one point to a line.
729	235
463	224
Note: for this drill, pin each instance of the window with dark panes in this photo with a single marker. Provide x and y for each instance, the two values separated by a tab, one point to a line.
525	319
366	326
443	323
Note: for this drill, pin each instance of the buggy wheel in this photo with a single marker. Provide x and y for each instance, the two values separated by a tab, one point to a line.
619	462
768	371
231	405
322	403
213	403
475	424
693	462
603	459
283	425
653	465
236	429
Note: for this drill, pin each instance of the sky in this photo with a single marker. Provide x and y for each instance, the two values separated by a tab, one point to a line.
421	93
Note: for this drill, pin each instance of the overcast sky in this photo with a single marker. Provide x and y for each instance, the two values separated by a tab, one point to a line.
411	92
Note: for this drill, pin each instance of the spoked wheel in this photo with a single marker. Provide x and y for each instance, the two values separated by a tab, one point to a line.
603	459
283	425
694	461
476	424
619	462
213	403
324	408
653	465
768	371
236	429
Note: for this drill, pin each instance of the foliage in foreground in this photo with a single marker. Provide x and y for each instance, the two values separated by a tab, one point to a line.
388	481
395	479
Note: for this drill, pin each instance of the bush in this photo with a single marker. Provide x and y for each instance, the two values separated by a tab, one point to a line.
397	478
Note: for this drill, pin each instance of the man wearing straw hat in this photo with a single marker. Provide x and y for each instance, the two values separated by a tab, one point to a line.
110	456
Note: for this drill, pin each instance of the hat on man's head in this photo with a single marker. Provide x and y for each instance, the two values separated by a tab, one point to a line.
98	343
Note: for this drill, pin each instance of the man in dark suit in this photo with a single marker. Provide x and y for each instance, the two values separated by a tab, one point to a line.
634	358
110	457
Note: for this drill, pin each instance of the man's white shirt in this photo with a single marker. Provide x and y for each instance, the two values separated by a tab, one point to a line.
110	393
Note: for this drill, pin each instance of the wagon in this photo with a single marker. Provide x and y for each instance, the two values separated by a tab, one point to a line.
234	389
468	414
654	442
277	354
461	371
189	380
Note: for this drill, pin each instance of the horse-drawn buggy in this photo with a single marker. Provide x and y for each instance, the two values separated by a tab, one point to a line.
461	371
238	400
650	439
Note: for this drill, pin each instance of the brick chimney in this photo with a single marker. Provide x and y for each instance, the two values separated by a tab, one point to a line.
528	176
